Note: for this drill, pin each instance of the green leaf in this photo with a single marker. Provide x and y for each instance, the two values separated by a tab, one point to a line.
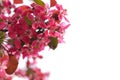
29	72
10	41
2	36
28	21
1	20
53	43
40	2
1	54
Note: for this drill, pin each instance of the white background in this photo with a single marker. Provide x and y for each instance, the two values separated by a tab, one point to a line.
92	48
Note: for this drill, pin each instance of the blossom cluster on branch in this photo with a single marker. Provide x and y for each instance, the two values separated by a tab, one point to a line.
26	30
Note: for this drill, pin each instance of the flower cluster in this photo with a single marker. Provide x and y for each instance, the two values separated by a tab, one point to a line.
31	72
27	30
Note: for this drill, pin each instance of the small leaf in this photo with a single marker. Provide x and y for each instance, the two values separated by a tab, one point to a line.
52	3
1	20
53	43
10	41
40	2
2	36
29	72
1	54
28	21
18	1
12	64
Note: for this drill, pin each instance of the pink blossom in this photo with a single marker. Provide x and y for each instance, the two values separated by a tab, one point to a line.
22	9
26	39
17	43
28	30
2	25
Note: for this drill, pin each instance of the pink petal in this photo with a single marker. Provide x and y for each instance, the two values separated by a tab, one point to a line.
17	43
26	39
2	25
